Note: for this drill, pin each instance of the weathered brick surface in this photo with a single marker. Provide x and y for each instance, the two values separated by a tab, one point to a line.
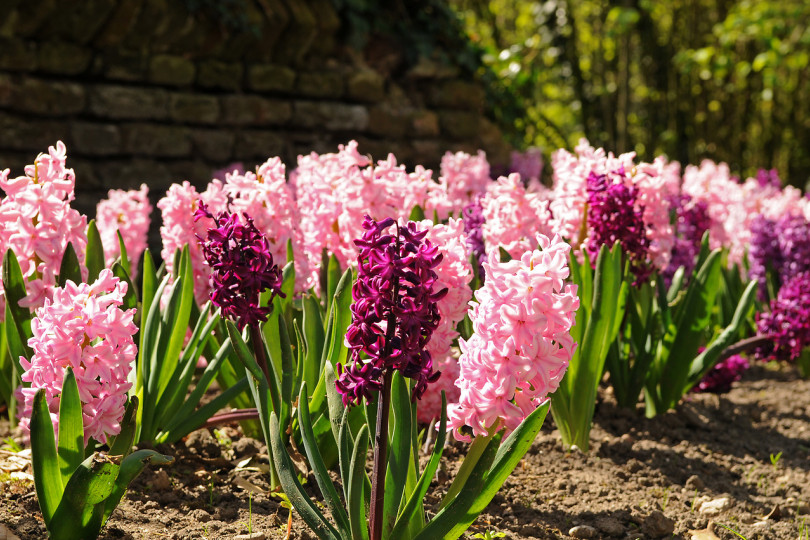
144	91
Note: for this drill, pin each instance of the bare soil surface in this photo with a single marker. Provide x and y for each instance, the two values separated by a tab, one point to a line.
740	460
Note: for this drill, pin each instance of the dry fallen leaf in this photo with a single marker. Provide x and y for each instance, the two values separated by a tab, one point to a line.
247	485
703	534
6	534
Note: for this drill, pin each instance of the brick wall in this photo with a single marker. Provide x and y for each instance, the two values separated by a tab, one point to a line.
144	91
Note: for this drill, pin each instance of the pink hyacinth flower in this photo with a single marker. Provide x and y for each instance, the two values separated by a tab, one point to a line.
83	327
521	345
127	212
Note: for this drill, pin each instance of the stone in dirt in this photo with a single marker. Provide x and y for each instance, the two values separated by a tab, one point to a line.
583	531
695	483
714	507
161	481
201	442
657	525
254	536
610	526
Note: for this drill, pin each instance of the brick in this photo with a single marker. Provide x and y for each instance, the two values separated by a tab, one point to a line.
194	108
458	94
122	102
221	75
196	172
259	145
367	86
459	124
171	70
96	139
270	78
383	120
119	24
156	140
18	55
32	135
131	173
331	116
320	84
255	111
212	144
425	124
125	65
43	97
63	58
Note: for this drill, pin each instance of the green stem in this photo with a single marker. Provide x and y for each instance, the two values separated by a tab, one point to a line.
380	459
470	461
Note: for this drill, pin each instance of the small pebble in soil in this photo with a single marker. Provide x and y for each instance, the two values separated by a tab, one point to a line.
201	442
161	481
714	507
695	483
657	525
200	515
254	536
246	447
583	531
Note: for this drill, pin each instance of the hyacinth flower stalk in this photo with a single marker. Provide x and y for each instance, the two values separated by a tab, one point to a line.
786	326
83	349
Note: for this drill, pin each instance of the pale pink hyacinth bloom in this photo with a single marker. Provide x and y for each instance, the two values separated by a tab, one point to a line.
462	177
179	228
37	222
514	217
83	327
319	185
454	273
656	181
266	197
521	345
127	212
712	184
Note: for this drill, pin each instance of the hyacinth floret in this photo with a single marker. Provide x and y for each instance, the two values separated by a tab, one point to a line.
82	327
613	215
722	375
241	267
691	222
788	322
394	312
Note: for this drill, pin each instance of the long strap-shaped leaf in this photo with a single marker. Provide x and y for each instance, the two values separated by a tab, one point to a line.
14	290
414	504
79	515
454	519
94	252
292	487
357	480
47	476
70	449
71	268
316	461
399	451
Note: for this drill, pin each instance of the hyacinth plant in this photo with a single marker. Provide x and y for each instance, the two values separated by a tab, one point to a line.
76	398
387	368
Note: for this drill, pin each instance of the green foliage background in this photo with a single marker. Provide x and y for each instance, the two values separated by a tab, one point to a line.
693	79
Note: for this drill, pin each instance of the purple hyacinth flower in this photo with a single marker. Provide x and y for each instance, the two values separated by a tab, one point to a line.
613	216
722	375
691	221
394	312
473	217
242	267
788	322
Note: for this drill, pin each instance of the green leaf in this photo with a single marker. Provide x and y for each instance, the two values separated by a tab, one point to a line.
121	444
314	339
333	279
287	373
47	476
70	269
357	477
80	514
194	421
131	296
123	256
417	214
94	258
415	501
399	451
320	471
453	520
292	487
244	354
178	321
70	449
333	401
131	466
504	255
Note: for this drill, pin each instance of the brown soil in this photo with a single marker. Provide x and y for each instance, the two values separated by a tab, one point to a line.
712	462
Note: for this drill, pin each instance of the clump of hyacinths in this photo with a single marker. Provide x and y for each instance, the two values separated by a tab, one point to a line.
787	324
83	350
722	375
